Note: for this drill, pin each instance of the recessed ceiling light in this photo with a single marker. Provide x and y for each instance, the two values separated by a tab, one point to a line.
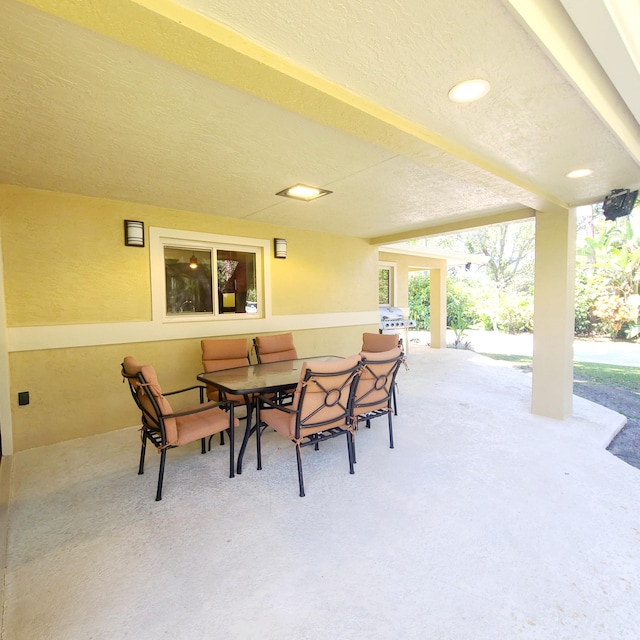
579	173
303	192
469	90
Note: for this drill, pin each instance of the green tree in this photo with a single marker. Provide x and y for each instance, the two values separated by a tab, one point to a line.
608	279
607	275
510	249
502	288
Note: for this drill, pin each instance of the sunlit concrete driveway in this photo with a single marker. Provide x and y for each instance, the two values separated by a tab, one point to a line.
598	350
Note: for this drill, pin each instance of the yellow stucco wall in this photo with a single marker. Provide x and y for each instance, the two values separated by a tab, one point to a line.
79	392
65	263
404	265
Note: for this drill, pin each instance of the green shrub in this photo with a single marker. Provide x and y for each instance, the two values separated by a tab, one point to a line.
584	324
516	314
460	303
419	294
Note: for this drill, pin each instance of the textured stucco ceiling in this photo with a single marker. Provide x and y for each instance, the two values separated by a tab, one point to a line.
215	106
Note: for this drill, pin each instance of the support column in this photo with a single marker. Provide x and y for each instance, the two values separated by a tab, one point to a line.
6	427
438	306
554	313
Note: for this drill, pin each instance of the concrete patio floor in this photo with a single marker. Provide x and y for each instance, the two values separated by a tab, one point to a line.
485	522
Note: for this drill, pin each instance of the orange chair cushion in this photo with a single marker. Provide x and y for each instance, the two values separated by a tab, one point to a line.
224	354
377	342
202	424
371	391
276	348
152	387
285	423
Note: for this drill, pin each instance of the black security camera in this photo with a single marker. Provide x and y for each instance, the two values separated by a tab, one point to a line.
619	203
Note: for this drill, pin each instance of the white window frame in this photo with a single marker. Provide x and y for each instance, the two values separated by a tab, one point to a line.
392	268
159	238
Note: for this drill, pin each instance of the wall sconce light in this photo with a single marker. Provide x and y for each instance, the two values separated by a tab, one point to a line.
280	247
133	233
193	262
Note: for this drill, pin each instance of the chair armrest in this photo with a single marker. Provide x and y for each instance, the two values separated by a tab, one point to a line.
274	404
225	404
202	388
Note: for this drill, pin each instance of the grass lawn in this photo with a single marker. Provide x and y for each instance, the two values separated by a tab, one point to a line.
604	374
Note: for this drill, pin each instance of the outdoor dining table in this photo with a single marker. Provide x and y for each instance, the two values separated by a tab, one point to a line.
258	379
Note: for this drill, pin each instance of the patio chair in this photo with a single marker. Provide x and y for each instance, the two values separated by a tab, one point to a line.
320	410
377	342
275	348
373	392
167	429
226	353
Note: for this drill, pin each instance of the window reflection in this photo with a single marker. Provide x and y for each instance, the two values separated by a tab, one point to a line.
236	282
188	281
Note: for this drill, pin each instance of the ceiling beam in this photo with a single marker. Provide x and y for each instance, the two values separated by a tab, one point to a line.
555	31
196	43
457	225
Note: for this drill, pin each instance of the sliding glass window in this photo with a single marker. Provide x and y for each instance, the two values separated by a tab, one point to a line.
198	276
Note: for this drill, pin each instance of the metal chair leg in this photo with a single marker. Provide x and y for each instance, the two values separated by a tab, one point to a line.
247	434
232	461
351	451
258	445
163	457
203	445
393	396
143	450
299	460
390	430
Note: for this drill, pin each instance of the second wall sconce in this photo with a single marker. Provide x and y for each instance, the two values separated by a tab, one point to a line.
133	233
280	247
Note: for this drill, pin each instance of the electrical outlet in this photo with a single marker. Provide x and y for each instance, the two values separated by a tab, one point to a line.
23	398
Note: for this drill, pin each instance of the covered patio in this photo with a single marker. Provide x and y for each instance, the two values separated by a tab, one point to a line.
486	521
192	119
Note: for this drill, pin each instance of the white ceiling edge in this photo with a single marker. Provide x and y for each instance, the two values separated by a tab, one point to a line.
558	34
452	257
608	28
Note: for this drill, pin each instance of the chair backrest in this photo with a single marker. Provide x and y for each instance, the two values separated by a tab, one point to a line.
374	387
223	354
323	396
377	342
147	393
275	348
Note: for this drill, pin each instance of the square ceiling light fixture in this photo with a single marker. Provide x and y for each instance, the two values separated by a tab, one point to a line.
303	192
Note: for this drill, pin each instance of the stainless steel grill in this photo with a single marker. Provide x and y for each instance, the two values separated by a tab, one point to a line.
392	320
